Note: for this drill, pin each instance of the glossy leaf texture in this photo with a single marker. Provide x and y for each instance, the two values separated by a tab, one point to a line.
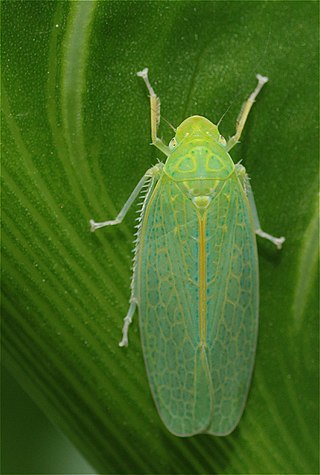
75	143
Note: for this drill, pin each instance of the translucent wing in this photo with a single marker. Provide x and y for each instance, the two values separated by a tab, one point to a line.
197	387
178	370
232	305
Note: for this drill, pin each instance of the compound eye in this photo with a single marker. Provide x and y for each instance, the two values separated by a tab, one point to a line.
173	143
222	140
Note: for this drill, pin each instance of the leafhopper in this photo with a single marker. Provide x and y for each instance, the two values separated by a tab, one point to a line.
195	275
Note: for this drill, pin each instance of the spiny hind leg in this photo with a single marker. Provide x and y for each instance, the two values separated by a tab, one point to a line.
242	118
147	182
241	172
127	322
155	113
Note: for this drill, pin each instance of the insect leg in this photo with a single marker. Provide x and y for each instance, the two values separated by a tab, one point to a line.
147	182
127	321
152	172
241	172
245	112
155	113
133	299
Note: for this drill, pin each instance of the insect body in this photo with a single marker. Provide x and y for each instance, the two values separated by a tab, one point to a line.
195	276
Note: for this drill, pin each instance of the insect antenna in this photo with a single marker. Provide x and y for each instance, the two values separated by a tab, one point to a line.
166	120
222	117
170	125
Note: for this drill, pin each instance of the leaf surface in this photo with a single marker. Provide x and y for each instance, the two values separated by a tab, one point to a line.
76	140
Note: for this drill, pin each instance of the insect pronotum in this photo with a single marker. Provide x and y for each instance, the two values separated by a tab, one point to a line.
195	275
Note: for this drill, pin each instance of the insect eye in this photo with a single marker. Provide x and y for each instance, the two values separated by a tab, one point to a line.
222	140
172	143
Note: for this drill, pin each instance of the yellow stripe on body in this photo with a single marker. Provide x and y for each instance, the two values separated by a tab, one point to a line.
202	279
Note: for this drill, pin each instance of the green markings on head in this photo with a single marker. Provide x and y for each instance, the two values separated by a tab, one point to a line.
197	126
198	152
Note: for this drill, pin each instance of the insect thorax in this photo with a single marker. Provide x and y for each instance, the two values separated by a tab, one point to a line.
200	166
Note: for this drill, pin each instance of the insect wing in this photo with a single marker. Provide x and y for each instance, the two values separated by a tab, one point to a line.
168	292
199	383
232	304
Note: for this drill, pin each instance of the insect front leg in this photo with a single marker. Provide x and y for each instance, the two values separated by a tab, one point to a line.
241	172
242	118
155	113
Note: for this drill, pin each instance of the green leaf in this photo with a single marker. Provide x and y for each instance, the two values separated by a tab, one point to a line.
76	139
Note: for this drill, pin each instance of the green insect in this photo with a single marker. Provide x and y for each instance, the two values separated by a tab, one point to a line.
195	275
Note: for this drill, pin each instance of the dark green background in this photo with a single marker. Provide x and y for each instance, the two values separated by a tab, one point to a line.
76	139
